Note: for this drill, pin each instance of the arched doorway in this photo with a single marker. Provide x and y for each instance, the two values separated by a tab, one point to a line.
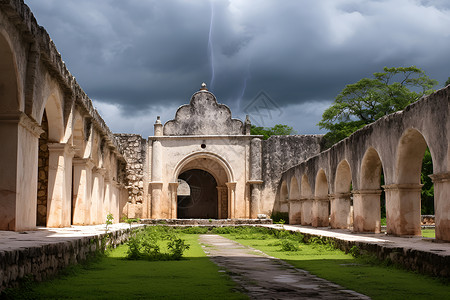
205	188
199	199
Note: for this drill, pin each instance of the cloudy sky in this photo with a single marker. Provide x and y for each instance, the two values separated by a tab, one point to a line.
137	59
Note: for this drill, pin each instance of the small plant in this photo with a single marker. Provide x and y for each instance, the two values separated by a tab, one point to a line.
109	221
176	248
289	245
355	251
131	221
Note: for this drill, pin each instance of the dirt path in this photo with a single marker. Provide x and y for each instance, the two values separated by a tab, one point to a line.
265	277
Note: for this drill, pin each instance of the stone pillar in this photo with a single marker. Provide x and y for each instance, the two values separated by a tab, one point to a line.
106	208
320	212
255	177
295	211
98	196
222	204
366	211
157	184
59	203
307	211
442	205
18	184
340	210
231	199
173	187
82	188
156	200
403	209
115	201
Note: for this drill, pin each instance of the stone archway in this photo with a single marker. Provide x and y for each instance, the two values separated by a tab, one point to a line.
201	201
211	188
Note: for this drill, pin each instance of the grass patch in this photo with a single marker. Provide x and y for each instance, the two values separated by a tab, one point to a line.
429	233
192	277
363	274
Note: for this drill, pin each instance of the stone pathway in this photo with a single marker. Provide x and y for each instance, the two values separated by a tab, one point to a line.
265	277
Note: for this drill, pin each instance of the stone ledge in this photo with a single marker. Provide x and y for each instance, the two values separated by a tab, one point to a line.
206	222
433	262
46	260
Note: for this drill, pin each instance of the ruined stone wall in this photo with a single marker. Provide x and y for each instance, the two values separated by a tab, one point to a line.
280	153
44	261
42	193
135	152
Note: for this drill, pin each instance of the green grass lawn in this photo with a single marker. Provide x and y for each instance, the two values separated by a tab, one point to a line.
113	277
363	275
429	233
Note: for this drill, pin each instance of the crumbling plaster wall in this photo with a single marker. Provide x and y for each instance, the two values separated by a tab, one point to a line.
279	153
135	153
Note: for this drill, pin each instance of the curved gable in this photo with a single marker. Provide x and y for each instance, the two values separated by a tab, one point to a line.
203	116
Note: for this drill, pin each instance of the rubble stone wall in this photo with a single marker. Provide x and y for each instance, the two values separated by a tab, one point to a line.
47	260
134	151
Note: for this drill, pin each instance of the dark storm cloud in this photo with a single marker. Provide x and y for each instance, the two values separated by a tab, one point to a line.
141	55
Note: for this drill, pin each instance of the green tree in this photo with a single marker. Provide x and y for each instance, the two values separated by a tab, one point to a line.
267	132
369	99
447	82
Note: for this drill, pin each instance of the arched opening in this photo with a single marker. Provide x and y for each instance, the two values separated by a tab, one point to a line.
199	199
341	203
294	191
308	200
59	198
10	207
295	205
403	198
366	201
321	206
10	101
205	188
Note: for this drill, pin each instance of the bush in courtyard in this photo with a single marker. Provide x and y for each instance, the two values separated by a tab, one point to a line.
289	245
156	243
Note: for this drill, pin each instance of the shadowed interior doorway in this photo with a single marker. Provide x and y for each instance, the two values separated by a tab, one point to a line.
197	195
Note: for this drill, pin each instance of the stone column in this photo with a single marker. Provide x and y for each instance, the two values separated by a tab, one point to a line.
366	211
442	205
173	187
320	212
98	196
157	183
82	188
59	206
231	199
156	200
222	204
307	211
403	209
295	211
340	210
255	176
106	208
18	184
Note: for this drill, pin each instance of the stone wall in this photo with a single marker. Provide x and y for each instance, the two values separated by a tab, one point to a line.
280	153
135	153
44	261
42	193
425	262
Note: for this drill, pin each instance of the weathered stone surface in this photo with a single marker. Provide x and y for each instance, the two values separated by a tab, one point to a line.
204	116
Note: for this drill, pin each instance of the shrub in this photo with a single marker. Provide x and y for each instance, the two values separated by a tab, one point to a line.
149	244
289	245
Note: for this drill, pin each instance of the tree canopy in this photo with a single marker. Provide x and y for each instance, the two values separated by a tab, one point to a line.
369	99
278	129
447	82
